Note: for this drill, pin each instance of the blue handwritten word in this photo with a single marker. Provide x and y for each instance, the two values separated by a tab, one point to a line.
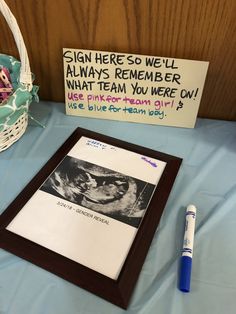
153	164
96	144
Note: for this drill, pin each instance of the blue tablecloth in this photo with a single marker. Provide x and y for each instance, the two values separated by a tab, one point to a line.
207	178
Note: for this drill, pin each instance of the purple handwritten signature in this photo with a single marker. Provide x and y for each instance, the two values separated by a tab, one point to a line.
152	163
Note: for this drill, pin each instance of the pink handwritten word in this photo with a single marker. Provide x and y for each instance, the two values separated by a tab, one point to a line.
103	98
133	101
161	103
152	163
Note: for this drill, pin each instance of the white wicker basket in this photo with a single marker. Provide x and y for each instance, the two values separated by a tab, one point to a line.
11	133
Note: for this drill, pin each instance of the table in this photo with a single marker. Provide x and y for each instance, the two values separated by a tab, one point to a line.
207	178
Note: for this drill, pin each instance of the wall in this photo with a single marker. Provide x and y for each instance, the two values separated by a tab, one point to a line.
193	29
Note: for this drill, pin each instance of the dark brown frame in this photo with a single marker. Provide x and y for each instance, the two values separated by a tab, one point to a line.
116	291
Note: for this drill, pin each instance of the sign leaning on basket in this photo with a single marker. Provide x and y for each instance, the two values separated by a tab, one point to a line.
14	105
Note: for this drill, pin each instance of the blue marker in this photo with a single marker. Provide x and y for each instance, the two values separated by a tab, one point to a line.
187	252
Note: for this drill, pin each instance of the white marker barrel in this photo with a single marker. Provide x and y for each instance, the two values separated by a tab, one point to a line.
187	252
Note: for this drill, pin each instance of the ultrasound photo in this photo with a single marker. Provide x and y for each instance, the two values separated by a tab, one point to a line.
102	190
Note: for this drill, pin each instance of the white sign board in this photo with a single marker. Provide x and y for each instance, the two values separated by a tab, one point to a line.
131	87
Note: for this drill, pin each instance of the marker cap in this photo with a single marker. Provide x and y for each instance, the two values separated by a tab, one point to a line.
185	273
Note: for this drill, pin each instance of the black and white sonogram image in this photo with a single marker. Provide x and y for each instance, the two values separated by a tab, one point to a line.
99	189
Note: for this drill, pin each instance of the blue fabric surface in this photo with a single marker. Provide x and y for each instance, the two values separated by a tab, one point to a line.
207	178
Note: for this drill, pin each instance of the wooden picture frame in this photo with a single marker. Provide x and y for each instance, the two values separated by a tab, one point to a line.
119	290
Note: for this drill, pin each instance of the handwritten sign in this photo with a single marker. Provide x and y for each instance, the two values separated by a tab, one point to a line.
131	87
